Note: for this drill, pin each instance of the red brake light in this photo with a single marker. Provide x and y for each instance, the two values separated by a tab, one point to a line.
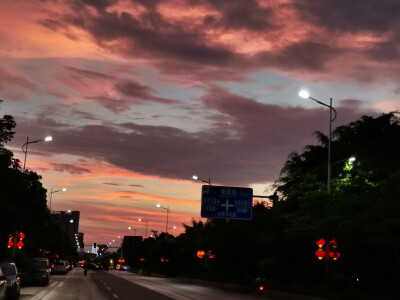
52	266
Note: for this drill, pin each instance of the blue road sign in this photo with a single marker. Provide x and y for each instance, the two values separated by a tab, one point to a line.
226	202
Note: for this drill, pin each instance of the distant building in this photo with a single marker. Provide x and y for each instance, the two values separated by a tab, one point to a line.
79	241
69	221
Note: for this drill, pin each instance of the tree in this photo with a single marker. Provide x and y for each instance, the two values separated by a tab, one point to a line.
23	204
363	211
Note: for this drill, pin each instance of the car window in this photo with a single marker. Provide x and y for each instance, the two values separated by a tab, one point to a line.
8	269
37	264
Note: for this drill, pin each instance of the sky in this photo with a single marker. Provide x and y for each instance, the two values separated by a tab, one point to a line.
139	95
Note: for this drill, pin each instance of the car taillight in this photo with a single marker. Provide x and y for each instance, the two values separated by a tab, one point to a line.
261	288
52	266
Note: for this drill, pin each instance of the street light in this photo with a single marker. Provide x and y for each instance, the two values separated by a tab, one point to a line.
166	227
304	94
25	146
197	178
134	229
52	192
147	224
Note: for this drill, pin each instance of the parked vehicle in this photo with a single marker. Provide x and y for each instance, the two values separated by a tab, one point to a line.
3	285
10	271
36	271
59	267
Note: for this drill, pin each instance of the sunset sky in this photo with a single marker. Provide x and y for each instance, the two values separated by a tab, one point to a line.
139	95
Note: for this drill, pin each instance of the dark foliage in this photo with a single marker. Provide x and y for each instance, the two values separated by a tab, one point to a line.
23	207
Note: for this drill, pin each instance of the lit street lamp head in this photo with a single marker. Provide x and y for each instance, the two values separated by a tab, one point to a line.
195	177
48	138
304	94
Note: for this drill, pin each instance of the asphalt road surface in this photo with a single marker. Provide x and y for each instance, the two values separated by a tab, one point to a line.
105	285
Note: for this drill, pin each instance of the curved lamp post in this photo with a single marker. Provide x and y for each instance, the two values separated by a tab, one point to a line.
131	228
147	224
197	178
25	146
168	211
304	94
52	192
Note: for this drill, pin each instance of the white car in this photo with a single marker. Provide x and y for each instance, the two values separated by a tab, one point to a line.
59	267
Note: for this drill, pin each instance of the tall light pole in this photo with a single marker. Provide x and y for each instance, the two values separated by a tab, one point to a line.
131	228
166	227
25	146
304	94
52	192
147	224
197	178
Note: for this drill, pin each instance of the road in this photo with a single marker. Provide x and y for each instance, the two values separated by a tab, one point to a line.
105	285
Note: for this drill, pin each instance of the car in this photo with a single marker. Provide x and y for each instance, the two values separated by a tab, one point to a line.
36	271
3	285
10	271
93	266
59	267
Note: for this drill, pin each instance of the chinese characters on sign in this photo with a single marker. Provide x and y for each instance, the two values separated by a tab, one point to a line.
226	202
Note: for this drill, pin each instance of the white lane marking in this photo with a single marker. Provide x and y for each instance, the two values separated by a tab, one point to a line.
44	293
115	296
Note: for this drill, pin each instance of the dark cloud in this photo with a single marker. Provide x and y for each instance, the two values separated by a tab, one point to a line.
388	51
151	36
70	169
247	141
351	16
14	86
149	3
52	24
99	4
87	73
239	14
306	55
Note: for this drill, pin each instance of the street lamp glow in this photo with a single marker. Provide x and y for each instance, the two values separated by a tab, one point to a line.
195	177
52	192
304	94
168	211
25	146
352	159
147	223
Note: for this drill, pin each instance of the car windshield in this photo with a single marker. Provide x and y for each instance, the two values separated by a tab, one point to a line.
8	269
37	264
